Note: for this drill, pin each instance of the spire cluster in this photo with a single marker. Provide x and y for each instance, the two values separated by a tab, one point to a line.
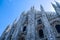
56	7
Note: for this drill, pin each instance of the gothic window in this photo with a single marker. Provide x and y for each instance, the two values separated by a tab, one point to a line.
57	28
39	21
41	35
24	29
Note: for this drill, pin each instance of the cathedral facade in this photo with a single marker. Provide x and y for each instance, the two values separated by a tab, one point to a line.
35	25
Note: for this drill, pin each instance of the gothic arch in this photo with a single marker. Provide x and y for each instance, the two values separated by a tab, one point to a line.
40	31
55	21
56	26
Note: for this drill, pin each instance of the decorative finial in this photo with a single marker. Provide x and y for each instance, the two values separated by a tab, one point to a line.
41	7
54	5
32	8
58	5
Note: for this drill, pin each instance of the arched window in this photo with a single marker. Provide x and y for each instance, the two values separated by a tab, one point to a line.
39	21
57	28
41	35
24	29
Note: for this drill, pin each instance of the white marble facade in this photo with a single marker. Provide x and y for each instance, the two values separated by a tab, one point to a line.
35	25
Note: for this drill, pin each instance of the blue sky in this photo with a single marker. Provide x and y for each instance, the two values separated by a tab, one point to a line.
11	9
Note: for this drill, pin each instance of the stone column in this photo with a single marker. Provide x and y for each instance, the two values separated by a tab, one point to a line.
10	31
4	33
50	35
19	27
31	25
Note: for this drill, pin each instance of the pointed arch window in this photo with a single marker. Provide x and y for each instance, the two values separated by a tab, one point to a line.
41	35
57	28
39	21
24	28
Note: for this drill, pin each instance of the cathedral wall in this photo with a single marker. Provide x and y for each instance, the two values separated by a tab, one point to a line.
56	27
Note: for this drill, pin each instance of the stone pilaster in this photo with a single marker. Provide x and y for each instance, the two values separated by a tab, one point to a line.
19	28
31	25
9	35
50	35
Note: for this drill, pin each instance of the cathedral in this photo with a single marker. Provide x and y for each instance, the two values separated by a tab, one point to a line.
35	25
